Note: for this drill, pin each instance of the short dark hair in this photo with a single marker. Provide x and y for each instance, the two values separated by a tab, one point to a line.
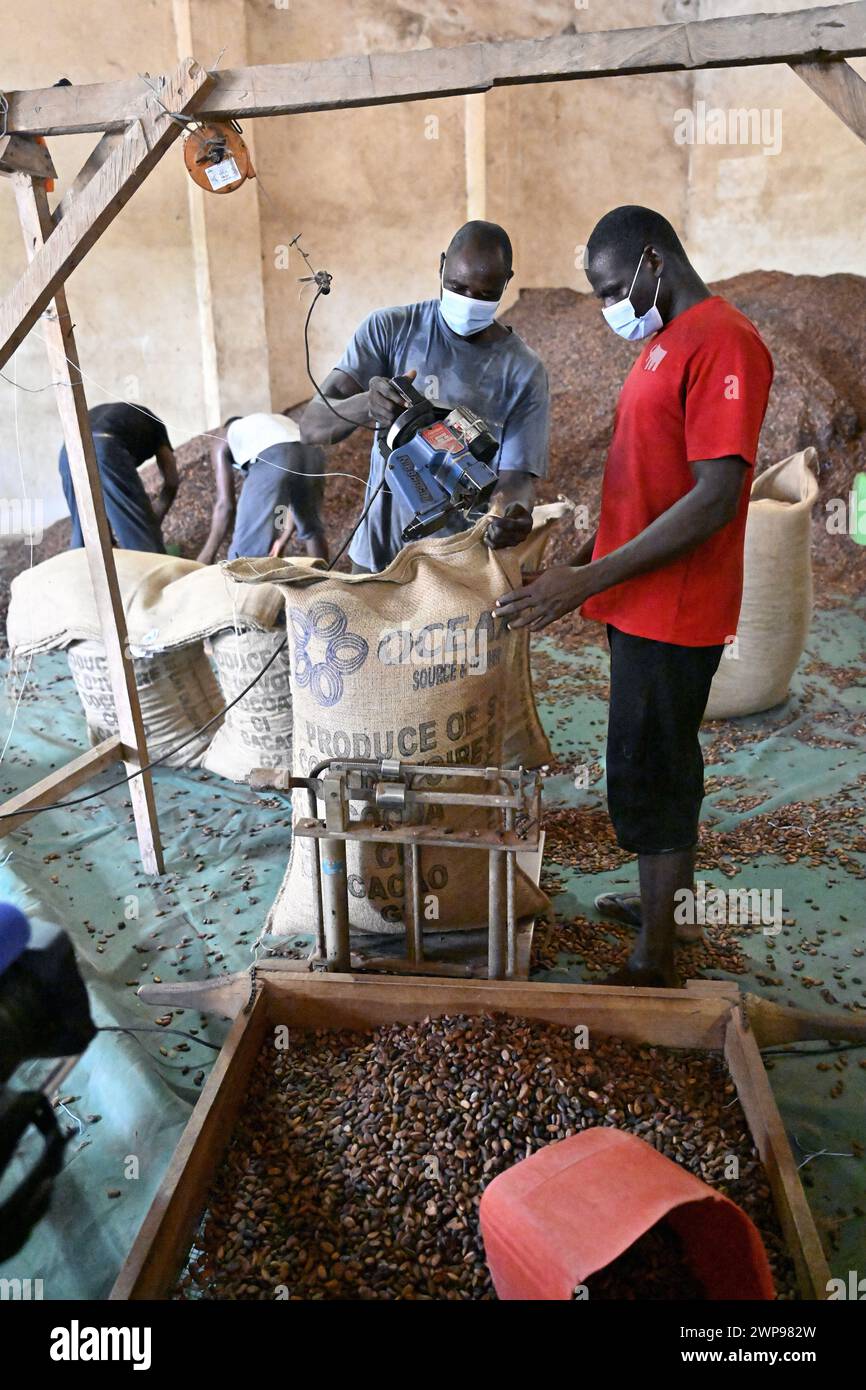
230	421
627	230
483	234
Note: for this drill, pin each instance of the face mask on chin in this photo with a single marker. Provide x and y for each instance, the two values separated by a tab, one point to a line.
466	316
622	318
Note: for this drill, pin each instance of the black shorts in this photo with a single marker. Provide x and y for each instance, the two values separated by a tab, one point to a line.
655	768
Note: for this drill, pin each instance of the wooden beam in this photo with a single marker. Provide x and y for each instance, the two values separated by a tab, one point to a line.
163	1241
225	995
771	1141
840	88
94	161
36	224
704	1019
832	31
668	1017
58	784
774	1025
20	154
142	146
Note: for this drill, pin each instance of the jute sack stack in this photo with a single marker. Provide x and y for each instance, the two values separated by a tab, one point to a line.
414	664
170	605
168	602
755	672
257	731
177	691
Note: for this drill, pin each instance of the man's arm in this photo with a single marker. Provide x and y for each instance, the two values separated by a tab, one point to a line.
522	460
223	515
381	403
710	505
319	424
167	465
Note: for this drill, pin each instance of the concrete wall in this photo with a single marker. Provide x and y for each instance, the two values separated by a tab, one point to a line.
802	209
193	304
378	193
133	298
553	167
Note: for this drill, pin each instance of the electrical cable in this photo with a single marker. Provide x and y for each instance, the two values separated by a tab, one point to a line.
356	424
205	434
149	1028
25	500
348	541
375	428
813	1052
32	390
333	473
155	762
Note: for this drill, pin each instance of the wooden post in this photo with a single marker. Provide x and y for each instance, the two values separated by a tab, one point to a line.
475	145
840	88
37	226
92	208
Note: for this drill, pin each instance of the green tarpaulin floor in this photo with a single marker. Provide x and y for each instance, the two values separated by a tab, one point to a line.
129	1096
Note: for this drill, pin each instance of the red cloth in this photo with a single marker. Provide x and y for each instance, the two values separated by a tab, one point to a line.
697	391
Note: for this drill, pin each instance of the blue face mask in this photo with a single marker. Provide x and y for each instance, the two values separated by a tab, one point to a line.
466	316
622	318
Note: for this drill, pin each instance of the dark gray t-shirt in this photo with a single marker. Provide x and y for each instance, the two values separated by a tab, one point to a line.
505	382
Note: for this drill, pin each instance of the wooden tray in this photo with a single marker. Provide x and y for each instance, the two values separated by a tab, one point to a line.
706	1014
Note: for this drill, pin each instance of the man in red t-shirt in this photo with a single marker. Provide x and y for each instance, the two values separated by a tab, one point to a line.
664	571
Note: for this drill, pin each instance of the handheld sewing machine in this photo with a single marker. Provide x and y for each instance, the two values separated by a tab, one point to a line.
437	461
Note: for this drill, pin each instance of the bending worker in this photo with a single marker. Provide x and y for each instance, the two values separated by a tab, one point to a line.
460	355
124	437
665	568
281	492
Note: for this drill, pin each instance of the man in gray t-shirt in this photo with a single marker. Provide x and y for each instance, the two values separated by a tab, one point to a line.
459	355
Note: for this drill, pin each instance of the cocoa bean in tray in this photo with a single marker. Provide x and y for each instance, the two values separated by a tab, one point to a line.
357	1163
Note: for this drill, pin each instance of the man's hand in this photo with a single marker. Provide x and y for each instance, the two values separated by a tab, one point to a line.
548	596
386	403
509	529
282	540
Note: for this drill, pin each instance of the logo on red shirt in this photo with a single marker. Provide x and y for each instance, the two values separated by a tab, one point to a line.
654	358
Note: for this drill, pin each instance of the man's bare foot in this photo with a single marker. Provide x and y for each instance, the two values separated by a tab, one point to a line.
624	909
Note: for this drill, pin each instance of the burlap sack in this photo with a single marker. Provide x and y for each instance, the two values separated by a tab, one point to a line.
412	664
177	690
168	602
257	731
755	671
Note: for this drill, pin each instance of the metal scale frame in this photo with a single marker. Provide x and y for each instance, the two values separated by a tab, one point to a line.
388	786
